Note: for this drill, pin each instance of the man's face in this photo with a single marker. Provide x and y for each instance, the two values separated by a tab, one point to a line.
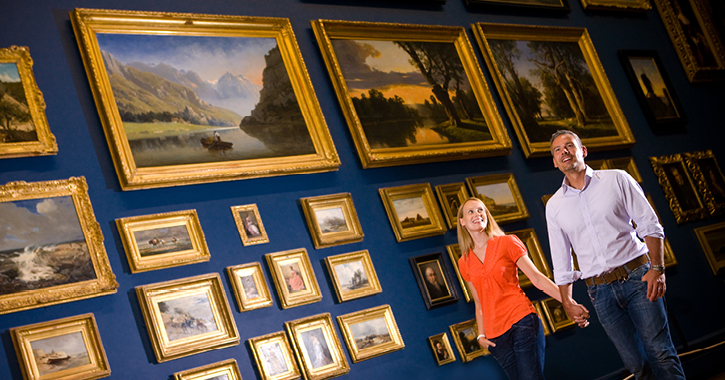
430	275
568	154
678	177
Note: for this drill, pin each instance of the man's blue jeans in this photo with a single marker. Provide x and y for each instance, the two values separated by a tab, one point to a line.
520	350
637	327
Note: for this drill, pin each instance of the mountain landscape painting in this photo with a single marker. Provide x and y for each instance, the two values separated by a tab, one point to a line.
195	99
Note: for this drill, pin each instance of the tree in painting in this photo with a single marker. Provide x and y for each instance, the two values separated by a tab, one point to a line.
15	121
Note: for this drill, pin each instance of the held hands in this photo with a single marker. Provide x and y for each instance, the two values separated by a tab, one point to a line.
656	286
578	313
485	343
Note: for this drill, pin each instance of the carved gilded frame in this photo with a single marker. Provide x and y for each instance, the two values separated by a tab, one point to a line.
469	348
89	23
248	298
555	314
396	201
303	333
441	338
245	231
45	143
338	265
712	252
286	277
451	196
507	214
227	369
104	281
617	5
275	343
685	203
709	178
321	211
374	343
542	317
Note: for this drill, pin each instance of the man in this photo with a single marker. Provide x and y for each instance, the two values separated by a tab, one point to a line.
591	213
435	289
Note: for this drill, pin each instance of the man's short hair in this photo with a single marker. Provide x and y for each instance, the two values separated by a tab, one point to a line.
564	132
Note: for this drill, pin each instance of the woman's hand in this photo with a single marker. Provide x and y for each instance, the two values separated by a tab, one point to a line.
485	343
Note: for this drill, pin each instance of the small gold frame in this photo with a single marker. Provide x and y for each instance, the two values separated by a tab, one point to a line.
249	224
295	286
540	313
169	333
555	314
400	201
515	209
617	5
32	341
380	337
536	254
684	201
465	336
332	220
353	275
454	252
709	178
227	369
274	357
45	143
446	353
714	253
250	287
72	195
317	347
163	240
451	196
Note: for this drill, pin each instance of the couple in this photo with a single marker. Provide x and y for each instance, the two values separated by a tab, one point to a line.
591	212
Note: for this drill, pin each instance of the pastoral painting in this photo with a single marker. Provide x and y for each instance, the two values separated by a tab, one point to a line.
273	359
498	198
16	124
410	93
331	220
411	212
368	334
351	275
59	353
36	251
653	86
163	240
316	346
194	99
187	316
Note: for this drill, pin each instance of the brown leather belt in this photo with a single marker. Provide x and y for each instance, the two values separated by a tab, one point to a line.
617	273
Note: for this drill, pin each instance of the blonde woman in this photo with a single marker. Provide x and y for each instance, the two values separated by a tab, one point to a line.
507	322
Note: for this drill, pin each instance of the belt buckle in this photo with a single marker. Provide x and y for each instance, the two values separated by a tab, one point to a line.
624	279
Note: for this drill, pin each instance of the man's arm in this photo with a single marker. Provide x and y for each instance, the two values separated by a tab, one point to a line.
578	313
656	286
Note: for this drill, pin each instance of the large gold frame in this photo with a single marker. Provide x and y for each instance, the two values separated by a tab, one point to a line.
343	201
693	161
338	366
327	30
536	254
486	31
279	338
520	214
717	266
46	144
209	285
359	354
681	214
423	191
199	252
298	256
263	299
373	286
105	281
84	324
227	368
89	22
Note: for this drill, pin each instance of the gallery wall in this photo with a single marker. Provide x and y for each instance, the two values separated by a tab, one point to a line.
694	296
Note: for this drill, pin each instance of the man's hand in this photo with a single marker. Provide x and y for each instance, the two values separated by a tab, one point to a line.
578	313
656	286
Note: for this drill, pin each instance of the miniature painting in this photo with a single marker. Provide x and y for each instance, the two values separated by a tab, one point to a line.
441	347
187	316
370	333
353	275
274	357
249	224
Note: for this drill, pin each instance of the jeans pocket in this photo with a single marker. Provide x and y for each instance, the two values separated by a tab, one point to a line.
592	291
638	273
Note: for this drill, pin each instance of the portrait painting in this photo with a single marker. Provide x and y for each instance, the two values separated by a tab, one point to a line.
441	348
224	370
682	186
420	98
317	347
451	196
274	357
291	274
226	98
433	280
712	241
501	195
332	220
709	178
294	278
555	314
353	275
550	78
679	188
465	336
412	211
249	224
370	333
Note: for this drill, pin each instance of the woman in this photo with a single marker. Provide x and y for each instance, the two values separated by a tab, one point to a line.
507	322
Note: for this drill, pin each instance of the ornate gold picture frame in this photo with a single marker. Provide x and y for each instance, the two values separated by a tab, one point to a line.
30	212
224	370
709	178
555	314
249	224
453	115
163	240
434	282
454	252
250	287
501	195
712	240
596	117
412	211
197	133
542	317
623	163
441	348
274	357
464	335
23	108
317	347
451	196
370	333
353	275
679	188
617	5
187	316
332	220
62	349
536	254
293	277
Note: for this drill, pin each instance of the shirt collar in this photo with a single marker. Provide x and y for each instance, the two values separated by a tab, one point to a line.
589	174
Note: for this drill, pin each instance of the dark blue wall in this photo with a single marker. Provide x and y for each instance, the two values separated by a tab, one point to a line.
695	296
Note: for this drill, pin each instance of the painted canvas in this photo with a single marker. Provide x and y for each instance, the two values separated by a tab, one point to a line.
163	240
316	347
411	212
187	316
498	198
250	224
59	353
16	123
273	359
351	275
293	277
371	333
653	86
331	220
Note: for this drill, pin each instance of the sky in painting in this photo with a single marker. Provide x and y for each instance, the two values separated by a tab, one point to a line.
346	271
210	57
38	222
647	66
410	208
196	305
376	326
500	192
71	344
9	72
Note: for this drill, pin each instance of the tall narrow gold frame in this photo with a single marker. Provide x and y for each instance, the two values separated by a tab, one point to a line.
358	353
46	144
521	212
536	253
542	317
87	23
580	36
256	344
298	256
454	252
457	190
246	239
423	191
227	369
353	231
105	281
681	215
328	30
323	322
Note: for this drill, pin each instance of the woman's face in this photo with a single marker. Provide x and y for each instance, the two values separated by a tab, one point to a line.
474	216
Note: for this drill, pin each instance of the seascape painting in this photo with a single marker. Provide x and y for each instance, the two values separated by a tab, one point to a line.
163	240
498	198
351	275
370	333
42	245
195	99
411	212
331	220
16	124
60	353
187	316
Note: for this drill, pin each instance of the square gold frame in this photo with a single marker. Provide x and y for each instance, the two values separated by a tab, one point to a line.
709	178
542	317
375	344
504	216
536	254
714	254
415	228
245	225
335	364
351	232
617	5
87	23
555	314
196	252
228	368
451	196
45	144
441	338
357	287
285	357
454	252
500	144
105	281
85	325
665	167
287	297
206	285
540	146
252	271
468	349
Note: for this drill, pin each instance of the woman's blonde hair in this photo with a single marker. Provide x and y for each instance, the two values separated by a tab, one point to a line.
465	241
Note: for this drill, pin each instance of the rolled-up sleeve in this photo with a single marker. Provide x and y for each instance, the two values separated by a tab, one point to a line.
560	248
639	209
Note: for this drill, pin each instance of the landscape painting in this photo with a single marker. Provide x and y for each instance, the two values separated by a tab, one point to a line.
59	353
371	333
15	121
498	198
501	195
411	212
163	240
351	275
185	317
331	220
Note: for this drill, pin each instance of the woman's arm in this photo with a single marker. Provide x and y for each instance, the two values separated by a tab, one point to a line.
483	341
537	278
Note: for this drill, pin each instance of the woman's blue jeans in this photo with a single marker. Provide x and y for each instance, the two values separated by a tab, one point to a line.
637	327
520	350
